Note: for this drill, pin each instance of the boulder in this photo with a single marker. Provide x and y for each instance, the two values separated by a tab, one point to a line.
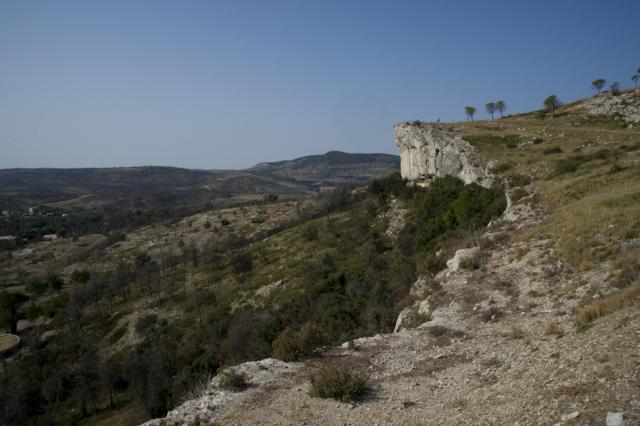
453	264
615	418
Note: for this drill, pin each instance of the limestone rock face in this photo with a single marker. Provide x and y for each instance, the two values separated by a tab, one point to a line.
625	106
428	152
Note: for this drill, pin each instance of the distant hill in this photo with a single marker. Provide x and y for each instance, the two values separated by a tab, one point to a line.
332	168
152	186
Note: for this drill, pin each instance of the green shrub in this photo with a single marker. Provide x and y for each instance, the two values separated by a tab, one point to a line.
310	232
507	141
518	194
568	165
501	168
338	382
554	150
295	345
242	263
447	206
519	180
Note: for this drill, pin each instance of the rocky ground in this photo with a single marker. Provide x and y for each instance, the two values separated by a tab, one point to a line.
494	345
624	107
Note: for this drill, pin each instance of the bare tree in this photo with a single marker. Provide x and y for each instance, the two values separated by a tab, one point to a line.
635	79
470	111
491	108
500	107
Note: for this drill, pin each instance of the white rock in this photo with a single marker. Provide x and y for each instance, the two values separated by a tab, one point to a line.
428	152
569	416
615	418
453	264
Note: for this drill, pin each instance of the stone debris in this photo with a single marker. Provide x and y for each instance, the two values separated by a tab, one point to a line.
625	106
615	418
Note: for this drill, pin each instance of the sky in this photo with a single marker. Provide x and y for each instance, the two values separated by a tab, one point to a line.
227	84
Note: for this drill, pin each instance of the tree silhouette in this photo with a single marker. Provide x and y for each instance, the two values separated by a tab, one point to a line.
469	110
635	79
598	84
500	107
614	88
551	103
491	108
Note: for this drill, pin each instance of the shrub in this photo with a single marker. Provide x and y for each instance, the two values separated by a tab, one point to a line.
493	313
568	165
518	194
294	345
233	380
554	150
442	331
242	263
508	141
146	324
338	382
472	262
310	232
449	204
629	273
519	180
537	141
552	329
502	167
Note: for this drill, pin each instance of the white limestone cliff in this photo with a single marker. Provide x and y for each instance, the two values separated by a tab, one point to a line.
428	152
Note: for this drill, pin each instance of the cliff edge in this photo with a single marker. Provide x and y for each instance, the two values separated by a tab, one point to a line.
428	152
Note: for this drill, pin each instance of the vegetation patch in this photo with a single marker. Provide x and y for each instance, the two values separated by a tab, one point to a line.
600	308
233	380
492	141
338	382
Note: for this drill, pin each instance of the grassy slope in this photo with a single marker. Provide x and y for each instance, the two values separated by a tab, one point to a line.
594	209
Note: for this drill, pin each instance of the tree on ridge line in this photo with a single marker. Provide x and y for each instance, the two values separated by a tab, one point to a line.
598	84
470	111
491	108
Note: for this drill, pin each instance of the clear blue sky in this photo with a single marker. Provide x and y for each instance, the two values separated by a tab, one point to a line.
226	84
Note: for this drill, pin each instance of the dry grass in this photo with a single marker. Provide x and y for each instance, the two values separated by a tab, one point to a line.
606	306
552	329
233	381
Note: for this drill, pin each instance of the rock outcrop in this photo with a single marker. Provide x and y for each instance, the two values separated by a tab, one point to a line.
428	152
625	106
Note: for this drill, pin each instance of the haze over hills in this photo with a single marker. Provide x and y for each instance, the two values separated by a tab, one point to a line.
156	186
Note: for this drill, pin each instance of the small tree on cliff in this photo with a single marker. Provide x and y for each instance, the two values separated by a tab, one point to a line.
500	107
551	103
614	88
491	108
598	84
469	110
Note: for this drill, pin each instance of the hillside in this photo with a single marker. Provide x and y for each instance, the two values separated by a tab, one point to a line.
538	324
512	299
332	168
126	187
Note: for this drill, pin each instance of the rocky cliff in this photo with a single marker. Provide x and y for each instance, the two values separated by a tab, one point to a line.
428	152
